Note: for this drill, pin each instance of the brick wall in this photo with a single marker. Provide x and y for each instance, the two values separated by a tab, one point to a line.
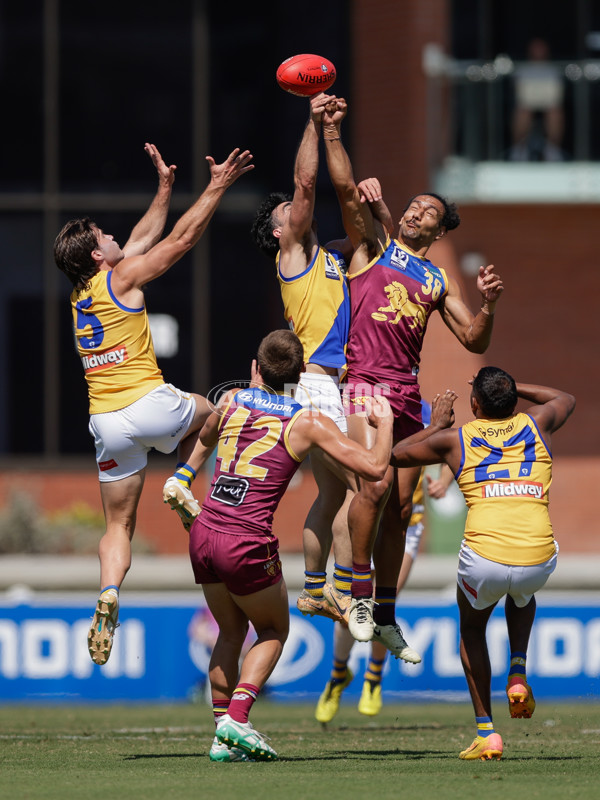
388	107
575	522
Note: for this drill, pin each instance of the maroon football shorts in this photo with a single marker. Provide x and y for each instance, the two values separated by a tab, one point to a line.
244	563
404	398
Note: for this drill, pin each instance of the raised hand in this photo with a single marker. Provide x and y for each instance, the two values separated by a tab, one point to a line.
166	174
489	284
370	190
236	164
442	410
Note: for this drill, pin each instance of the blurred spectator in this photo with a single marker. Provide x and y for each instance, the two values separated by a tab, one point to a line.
538	118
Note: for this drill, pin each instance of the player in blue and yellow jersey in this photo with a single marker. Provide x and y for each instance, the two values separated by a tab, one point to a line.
262	435
316	306
502	462
394	289
132	409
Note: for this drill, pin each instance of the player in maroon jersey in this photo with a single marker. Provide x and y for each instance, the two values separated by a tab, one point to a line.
262	436
394	289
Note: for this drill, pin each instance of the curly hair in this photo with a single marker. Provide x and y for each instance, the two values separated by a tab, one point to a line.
280	359
73	251
451	218
262	226
496	392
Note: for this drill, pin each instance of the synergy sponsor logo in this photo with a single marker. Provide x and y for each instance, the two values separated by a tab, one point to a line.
102	360
489	433
514	489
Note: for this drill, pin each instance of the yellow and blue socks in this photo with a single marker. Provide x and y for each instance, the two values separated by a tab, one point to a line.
219	706
338	671
485	726
374	671
342	578
518	665
314	583
184	474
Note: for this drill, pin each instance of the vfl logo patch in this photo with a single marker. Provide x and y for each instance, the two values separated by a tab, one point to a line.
230	491
399	258
514	489
331	270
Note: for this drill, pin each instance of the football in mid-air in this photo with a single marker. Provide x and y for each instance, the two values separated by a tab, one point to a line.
306	74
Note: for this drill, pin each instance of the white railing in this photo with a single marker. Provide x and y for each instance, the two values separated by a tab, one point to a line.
474	105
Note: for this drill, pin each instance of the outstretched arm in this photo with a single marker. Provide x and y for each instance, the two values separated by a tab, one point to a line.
473	331
133	273
554	406
363	230
149	229
297	241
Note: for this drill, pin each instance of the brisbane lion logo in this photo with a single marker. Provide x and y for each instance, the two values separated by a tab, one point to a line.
400	306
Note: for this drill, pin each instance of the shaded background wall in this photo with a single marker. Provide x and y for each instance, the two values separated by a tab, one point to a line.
84	87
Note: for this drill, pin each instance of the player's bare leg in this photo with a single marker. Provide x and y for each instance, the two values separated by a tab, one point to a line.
341	676
519	622
324	526
388	555
474	653
388	550
120	501
363	521
476	664
268	611
223	669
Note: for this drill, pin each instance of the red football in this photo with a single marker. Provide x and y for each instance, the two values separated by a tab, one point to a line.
306	74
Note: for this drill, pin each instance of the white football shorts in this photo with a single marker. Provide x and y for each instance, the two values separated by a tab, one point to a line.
322	392
159	420
484	582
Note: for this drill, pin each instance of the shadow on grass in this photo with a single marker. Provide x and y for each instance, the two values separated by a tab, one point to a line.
357	755
151	756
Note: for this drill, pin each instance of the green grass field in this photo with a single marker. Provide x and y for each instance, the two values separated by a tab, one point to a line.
161	751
